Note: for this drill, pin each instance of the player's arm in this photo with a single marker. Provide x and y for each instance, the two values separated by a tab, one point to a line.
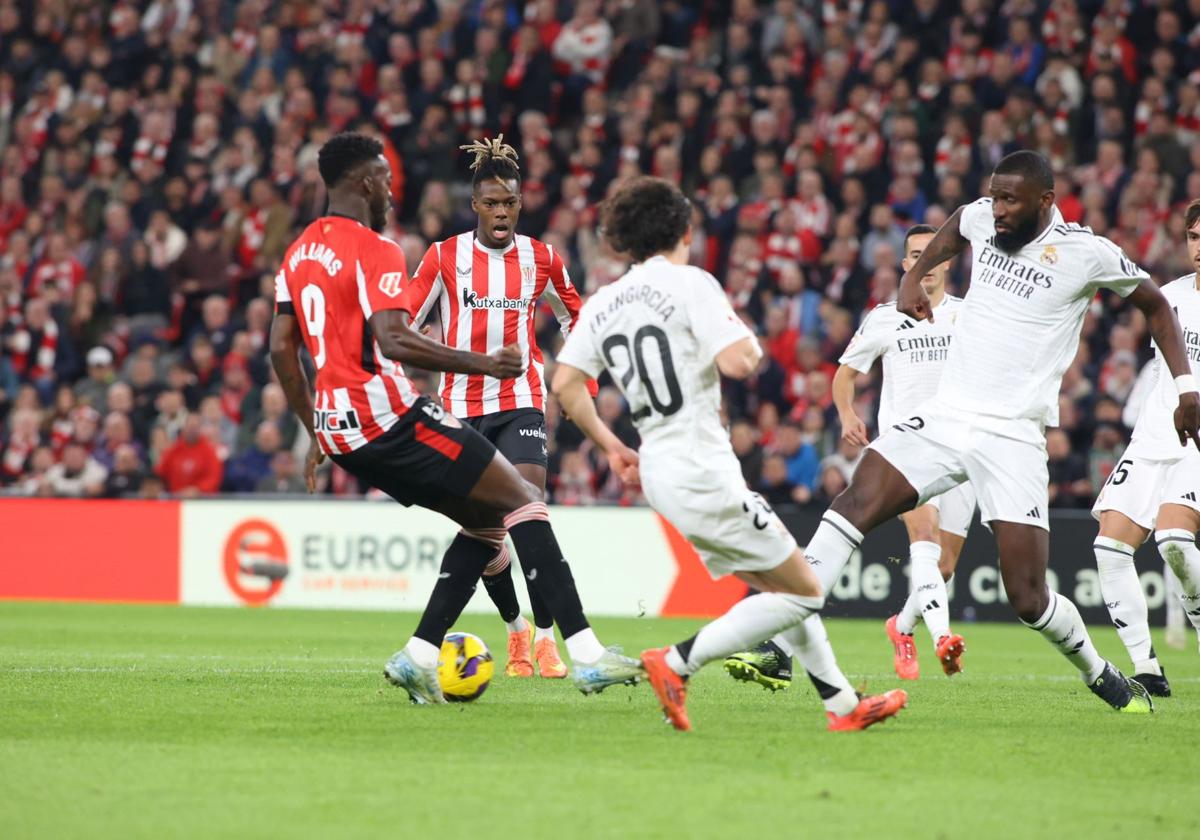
565	302
1164	328
394	319
865	347
740	359
401	343
285	343
562	295
570	385
720	333
426	286
946	244
853	428
285	358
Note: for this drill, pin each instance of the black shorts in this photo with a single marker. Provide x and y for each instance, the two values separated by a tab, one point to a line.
428	455
519	434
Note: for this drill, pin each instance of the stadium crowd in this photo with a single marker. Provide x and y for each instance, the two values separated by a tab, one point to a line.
157	157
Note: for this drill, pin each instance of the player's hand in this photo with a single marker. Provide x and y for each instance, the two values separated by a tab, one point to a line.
624	462
913	301
507	363
1187	418
312	460
854	430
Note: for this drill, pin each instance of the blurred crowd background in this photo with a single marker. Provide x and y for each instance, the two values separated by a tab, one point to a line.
157	158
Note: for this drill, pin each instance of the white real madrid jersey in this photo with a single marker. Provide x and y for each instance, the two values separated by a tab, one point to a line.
1018	326
914	353
658	331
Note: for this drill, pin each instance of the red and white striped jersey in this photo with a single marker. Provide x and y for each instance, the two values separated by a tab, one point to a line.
334	277
486	299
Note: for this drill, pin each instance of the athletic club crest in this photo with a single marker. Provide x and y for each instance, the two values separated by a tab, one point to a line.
391	282
1049	255
527	272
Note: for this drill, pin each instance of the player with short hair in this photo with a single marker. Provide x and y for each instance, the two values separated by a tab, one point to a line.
485	287
1033	278
1155	487
665	332
913	355
338	294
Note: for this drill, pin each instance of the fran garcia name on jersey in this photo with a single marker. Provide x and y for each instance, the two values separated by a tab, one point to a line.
658	301
471	300
316	252
997	269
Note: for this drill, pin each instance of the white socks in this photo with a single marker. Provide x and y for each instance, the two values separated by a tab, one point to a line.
540	633
424	654
1178	549
517	625
1126	602
910	613
830	548
928	598
747	623
809	643
584	648
1062	627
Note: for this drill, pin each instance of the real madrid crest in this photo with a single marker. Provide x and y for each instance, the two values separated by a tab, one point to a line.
1049	255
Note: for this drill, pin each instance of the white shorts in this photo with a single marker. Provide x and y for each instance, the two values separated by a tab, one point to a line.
937	450
1139	486
956	508
732	528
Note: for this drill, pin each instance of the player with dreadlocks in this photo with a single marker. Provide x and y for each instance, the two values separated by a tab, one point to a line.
485	286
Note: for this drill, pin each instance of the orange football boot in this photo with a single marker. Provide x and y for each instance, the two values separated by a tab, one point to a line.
905	660
548	662
520	664
949	653
869	711
669	686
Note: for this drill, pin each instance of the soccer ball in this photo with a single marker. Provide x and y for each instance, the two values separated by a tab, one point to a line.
465	667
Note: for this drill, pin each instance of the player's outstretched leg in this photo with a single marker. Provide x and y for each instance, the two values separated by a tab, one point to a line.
1024	550
1126	602
844	707
788	594
749	620
1178	549
414	668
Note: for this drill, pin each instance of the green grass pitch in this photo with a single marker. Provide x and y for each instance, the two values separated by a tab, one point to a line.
172	722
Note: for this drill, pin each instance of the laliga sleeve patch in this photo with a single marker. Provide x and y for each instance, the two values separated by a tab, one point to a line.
391	282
